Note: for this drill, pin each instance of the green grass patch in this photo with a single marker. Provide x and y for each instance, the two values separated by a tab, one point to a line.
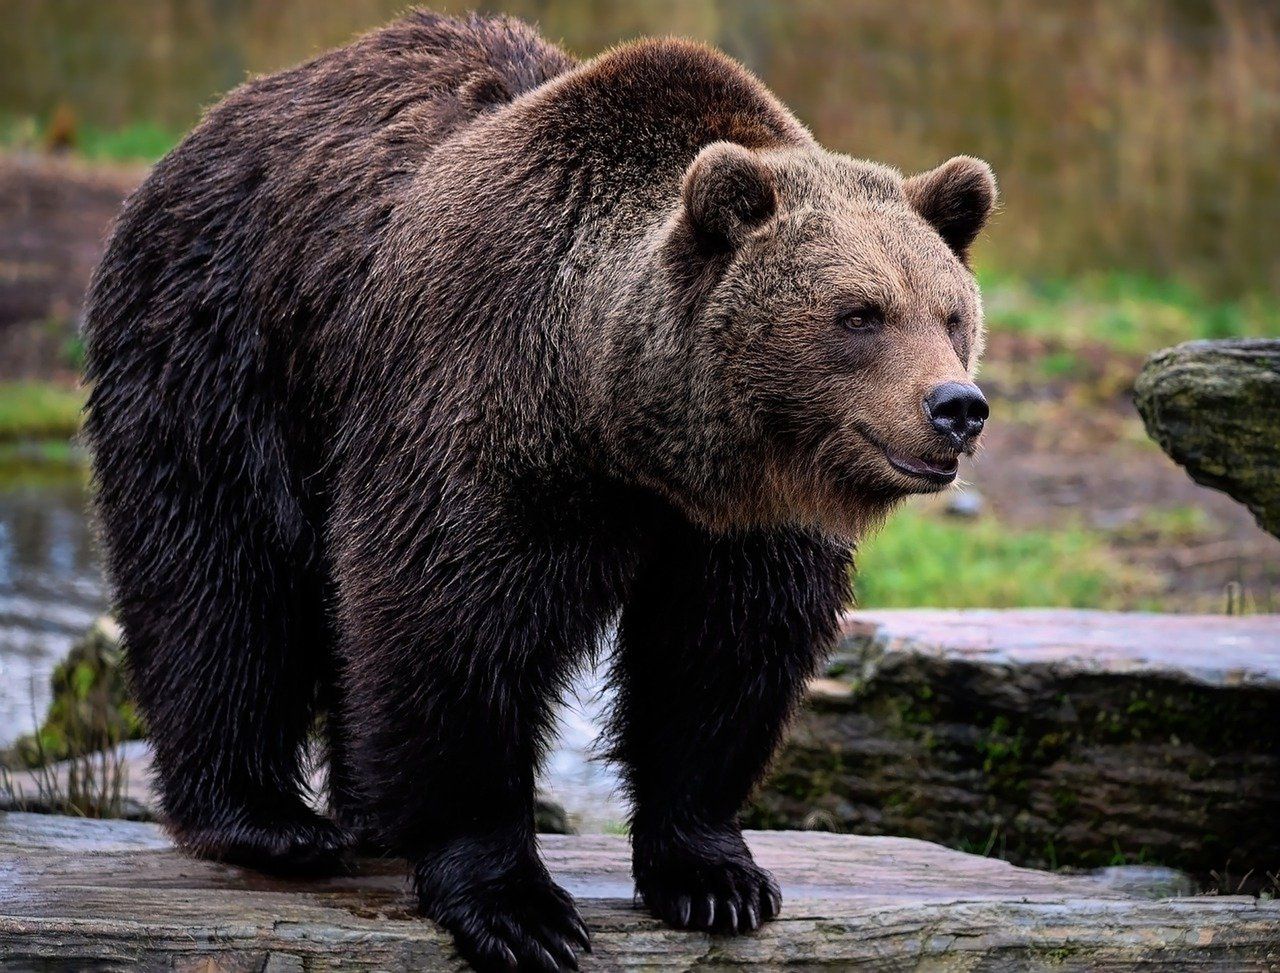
1166	525
37	410
1062	365
925	559
42	465
140	141
1128	312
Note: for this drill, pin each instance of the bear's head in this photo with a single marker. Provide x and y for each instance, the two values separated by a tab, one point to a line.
818	333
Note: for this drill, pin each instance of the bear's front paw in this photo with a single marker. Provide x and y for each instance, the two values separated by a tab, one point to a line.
518	921
711	884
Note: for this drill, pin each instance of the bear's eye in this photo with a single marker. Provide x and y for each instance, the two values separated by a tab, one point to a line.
862	318
954	321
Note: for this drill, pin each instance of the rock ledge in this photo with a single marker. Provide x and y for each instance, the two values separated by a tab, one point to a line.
77	894
1047	737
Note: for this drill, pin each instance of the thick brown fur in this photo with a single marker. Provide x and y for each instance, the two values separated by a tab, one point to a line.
415	366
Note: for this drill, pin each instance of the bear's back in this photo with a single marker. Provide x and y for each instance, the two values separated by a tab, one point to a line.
257	228
273	205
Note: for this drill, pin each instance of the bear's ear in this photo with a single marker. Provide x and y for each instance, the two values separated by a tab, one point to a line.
728	192
956	199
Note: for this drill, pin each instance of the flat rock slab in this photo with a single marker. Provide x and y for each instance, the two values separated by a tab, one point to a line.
78	894
1048	737
1213	650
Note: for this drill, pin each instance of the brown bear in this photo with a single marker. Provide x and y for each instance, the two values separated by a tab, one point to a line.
415	367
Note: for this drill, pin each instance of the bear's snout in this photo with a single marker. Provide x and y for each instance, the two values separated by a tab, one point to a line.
957	410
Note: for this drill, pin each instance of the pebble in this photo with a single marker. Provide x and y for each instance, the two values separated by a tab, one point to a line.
965	503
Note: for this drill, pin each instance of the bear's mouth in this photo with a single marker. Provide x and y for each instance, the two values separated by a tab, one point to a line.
935	469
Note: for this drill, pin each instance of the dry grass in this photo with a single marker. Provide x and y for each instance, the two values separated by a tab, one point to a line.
1127	134
90	784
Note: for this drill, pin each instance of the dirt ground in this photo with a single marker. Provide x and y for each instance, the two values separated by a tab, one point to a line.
54	217
1074	451
1059	451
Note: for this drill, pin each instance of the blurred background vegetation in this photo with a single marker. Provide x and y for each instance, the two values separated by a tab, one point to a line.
1136	145
1128	136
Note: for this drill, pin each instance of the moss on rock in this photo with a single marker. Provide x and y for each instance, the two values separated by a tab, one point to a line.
90	710
1043	763
1214	406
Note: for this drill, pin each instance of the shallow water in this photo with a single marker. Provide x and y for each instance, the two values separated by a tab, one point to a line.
51	590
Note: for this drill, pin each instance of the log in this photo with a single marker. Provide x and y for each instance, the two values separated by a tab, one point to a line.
1214	406
80	894
1049	738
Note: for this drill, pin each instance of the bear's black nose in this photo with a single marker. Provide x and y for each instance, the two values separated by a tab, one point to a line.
957	410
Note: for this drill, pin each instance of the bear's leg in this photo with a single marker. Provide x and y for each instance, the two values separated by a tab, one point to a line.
220	637
456	650
346	804
716	641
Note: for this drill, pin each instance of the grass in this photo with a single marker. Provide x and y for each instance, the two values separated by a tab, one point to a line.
47	464
38	410
922	557
138	141
1165	525
90	785
1127	312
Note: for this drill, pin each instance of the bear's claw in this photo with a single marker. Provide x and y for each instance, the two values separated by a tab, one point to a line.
516	923
734	896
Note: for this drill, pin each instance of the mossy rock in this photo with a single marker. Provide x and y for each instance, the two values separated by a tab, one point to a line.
91	709
1214	406
551	818
1048	738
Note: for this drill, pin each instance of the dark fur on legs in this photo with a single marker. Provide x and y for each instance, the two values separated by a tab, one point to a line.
474	663
717	639
494	894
